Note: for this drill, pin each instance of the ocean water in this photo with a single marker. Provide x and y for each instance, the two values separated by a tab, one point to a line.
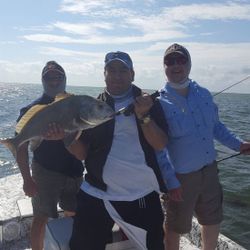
234	172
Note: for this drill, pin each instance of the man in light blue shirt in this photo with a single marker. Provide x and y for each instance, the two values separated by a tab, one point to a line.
193	124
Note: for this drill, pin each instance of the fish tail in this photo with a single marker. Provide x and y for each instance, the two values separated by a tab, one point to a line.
10	144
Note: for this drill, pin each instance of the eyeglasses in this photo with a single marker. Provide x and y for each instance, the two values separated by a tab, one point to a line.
50	78
179	60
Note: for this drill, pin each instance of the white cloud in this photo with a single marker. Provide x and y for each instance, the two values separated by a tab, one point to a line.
84	7
169	23
101	40
214	65
212	11
83	28
145	33
51	38
25	72
69	53
42	28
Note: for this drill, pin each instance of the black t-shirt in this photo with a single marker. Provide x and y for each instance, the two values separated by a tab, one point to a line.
53	155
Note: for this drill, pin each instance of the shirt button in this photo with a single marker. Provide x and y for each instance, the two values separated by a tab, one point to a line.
203	138
207	153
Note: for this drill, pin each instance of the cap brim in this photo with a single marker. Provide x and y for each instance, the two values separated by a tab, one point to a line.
176	52
61	72
117	59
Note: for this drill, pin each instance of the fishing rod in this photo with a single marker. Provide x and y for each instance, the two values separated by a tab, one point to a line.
130	108
242	80
228	157
232	85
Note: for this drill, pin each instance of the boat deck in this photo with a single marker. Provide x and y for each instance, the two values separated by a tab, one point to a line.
24	244
19	221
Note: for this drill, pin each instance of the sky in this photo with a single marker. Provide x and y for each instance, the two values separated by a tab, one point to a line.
78	33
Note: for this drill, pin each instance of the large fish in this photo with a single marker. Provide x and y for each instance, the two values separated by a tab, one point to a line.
73	113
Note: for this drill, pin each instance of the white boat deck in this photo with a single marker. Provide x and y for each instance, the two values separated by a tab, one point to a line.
15	222
24	244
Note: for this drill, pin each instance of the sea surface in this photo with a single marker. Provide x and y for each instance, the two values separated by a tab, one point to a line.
234	172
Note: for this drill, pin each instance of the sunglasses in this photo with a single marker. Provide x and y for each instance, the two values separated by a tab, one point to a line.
49	78
179	60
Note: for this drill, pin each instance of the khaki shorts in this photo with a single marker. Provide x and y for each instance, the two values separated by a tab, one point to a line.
53	188
202	196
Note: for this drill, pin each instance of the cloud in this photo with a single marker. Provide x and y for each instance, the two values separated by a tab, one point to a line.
25	72
101	40
214	65
211	11
69	53
42	28
144	29
102	8
230	10
51	38
84	28
116	22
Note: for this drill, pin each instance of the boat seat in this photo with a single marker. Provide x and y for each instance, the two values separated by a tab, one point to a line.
25	208
58	233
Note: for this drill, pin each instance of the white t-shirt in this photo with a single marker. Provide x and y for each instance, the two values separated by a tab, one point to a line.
125	172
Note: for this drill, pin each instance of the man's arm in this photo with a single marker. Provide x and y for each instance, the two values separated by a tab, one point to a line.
154	135
78	149
29	186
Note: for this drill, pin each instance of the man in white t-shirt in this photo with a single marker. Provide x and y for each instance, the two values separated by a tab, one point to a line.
123	179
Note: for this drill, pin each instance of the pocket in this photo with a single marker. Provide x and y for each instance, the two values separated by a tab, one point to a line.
178	123
208	111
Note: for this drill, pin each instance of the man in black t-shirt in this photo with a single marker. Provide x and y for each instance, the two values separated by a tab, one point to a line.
56	174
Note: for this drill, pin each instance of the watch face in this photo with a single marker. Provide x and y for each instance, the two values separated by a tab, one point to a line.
145	120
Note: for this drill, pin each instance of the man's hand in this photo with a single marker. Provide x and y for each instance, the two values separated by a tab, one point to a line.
142	105
29	187
54	132
175	194
245	148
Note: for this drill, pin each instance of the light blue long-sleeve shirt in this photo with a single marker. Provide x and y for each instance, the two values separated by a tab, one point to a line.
167	170
193	123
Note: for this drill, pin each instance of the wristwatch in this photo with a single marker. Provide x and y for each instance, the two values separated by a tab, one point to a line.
145	119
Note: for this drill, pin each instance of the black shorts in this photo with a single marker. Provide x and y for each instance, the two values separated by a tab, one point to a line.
92	226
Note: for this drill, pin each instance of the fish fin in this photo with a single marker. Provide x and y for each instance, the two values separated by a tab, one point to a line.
68	139
10	144
27	116
62	96
34	143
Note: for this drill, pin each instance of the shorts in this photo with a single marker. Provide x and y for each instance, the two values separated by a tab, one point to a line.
92	225
202	195
53	188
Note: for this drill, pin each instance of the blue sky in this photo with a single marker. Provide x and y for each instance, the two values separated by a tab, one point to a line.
78	34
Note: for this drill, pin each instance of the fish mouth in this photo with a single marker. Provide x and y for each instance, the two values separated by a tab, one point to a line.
106	118
88	122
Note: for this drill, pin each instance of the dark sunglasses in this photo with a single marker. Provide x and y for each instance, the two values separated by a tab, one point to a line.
49	78
179	60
